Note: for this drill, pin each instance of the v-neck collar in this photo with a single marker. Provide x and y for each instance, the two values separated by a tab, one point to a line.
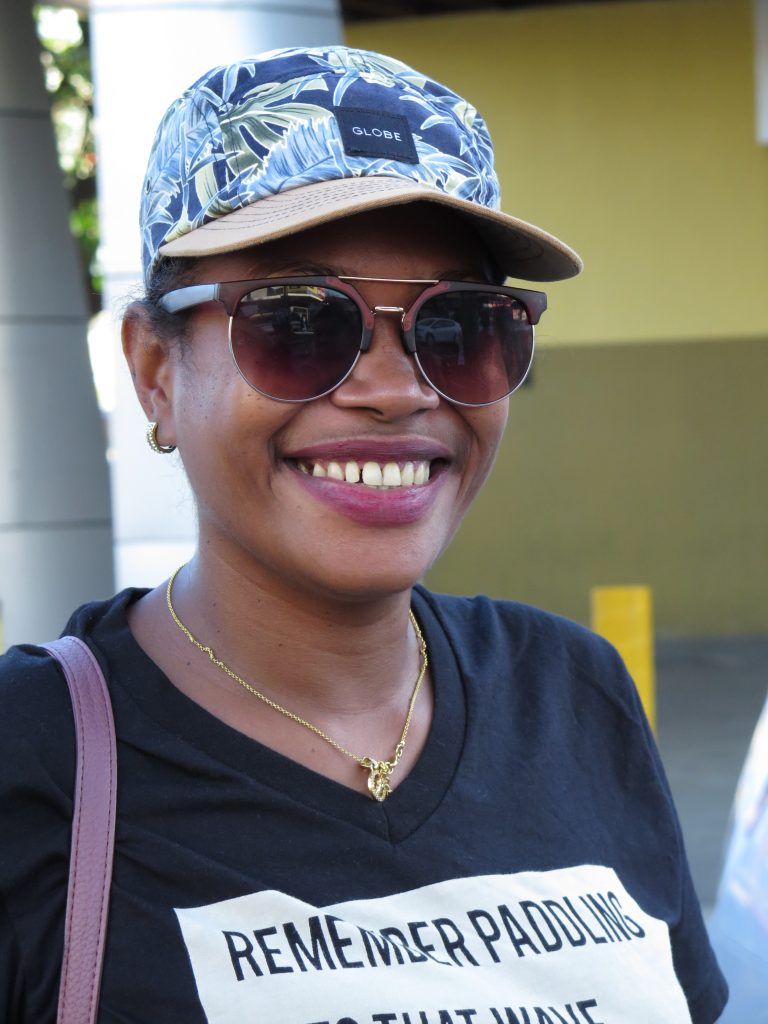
133	675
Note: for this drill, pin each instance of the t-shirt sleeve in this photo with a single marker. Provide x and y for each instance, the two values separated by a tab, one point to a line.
695	964
693	957
36	777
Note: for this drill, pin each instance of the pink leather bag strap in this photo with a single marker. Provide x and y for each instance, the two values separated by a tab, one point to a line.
93	832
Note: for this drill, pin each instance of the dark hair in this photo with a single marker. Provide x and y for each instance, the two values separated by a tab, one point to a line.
167	274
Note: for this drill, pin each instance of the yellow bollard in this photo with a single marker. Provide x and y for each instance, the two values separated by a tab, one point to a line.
624	616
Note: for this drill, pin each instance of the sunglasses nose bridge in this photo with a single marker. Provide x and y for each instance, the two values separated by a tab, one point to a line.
396	311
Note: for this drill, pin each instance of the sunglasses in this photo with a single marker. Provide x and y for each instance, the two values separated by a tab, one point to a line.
297	338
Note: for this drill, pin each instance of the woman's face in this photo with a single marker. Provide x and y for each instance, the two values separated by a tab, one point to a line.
263	472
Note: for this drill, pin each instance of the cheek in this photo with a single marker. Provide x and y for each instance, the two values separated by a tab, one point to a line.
485	427
209	393
220	421
488	426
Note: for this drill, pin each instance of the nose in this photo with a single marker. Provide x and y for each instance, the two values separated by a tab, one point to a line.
386	378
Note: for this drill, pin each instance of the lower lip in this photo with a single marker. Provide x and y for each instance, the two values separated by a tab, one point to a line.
372	506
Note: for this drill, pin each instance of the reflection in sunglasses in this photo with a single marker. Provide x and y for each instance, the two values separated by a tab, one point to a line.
298	338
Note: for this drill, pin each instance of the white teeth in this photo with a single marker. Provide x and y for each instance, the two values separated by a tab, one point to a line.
372	474
391	475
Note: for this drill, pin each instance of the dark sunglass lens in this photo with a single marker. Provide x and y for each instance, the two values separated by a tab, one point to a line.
475	347
293	341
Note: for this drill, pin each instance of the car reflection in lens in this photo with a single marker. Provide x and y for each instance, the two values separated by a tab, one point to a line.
433	330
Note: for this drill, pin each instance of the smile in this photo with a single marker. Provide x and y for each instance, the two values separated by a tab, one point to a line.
381	475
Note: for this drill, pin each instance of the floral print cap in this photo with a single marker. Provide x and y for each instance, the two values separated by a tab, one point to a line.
279	142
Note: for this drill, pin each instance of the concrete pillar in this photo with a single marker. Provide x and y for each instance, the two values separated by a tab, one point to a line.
145	54
55	534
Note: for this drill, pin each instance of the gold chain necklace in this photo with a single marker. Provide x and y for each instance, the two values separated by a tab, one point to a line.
379	771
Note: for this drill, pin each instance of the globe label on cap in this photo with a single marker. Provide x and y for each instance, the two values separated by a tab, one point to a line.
376	134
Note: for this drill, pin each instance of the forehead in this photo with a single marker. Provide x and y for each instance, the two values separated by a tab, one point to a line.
419	240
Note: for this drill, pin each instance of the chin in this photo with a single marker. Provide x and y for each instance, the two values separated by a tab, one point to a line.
366	579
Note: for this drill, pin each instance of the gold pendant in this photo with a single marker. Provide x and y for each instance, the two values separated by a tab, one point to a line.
378	779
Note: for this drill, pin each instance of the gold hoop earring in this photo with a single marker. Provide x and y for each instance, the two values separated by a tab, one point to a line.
154	444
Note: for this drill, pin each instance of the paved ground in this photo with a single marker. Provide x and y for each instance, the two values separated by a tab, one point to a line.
710	693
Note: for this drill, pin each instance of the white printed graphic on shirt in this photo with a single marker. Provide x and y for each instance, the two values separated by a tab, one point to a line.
555	947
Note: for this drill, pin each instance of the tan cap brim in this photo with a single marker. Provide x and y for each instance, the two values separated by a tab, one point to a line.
521	249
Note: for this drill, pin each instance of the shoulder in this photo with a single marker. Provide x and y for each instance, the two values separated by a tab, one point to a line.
37	771
492	638
482	623
35	717
36	725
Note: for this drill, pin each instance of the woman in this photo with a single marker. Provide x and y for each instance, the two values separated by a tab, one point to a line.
371	803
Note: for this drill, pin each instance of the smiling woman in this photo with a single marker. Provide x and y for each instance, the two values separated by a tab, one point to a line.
322	765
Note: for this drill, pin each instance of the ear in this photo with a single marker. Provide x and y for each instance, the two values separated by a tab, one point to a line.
150	360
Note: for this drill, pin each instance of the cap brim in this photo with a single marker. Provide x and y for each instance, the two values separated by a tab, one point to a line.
522	250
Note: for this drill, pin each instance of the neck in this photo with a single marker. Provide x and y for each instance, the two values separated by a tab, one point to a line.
348	668
318	655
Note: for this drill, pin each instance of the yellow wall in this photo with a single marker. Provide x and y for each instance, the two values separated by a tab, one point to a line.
618	469
628	130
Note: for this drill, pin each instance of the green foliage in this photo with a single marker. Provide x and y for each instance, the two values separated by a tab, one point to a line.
66	59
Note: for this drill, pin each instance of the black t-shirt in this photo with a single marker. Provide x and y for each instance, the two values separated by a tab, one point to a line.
529	870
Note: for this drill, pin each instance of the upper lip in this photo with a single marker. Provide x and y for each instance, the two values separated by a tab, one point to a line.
374	449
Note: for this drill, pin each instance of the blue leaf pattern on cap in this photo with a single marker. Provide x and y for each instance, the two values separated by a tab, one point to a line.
266	125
